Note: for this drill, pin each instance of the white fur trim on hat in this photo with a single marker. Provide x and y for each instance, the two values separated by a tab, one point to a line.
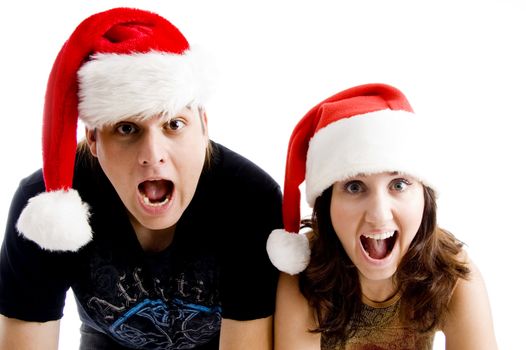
113	87
288	252
56	221
385	140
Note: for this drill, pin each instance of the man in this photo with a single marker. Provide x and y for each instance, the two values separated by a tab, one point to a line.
159	231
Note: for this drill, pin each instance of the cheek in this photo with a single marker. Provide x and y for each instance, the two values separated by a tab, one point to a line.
117	173
189	162
343	219
115	165
191	145
107	152
413	219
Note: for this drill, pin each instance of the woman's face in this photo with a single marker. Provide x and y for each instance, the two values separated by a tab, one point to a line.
153	164
376	218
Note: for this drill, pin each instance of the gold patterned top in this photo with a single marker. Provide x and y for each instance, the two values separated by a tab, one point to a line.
381	329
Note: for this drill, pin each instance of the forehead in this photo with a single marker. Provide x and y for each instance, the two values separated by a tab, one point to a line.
378	176
385	173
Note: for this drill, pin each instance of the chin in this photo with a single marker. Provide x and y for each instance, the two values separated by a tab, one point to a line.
158	224
386	274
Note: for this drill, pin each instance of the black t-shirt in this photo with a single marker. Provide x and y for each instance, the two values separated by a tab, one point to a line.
216	266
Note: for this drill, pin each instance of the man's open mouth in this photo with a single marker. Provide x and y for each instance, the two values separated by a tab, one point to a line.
156	193
379	246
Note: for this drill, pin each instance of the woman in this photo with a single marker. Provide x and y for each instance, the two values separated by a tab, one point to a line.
381	273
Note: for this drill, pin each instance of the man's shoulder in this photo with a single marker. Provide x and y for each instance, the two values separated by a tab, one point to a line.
31	185
34	179
233	166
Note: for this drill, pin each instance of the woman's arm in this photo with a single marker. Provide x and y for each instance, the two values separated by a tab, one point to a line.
469	324
293	318
22	335
242	335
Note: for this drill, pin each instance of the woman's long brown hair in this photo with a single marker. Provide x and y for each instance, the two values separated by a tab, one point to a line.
426	276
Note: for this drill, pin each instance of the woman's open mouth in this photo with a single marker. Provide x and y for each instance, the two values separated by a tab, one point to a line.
379	246
156	193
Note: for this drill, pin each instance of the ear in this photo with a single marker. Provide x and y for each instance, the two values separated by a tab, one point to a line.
91	139
205	118
204	121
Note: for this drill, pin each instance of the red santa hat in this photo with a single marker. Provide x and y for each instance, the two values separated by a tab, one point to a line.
363	130
118	63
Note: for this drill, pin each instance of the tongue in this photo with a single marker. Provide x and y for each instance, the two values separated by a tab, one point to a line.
377	248
155	190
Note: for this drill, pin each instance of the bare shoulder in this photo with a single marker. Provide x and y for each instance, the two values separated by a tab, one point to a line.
254	334
474	282
293	318
469	323
470	290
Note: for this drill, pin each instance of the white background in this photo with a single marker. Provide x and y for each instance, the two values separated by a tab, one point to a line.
460	63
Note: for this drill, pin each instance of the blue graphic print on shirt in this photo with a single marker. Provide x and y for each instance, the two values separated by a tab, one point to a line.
175	326
175	307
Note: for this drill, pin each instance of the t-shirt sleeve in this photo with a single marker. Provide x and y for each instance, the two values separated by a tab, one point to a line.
249	278
32	281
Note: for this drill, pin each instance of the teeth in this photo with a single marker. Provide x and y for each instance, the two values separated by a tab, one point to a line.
146	201
383	235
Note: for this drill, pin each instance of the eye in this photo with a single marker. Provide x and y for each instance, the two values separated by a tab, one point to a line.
126	128
175	124
400	185
354	187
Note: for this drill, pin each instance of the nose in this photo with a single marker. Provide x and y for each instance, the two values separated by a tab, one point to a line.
151	149
379	209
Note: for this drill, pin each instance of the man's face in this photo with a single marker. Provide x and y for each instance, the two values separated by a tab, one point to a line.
154	164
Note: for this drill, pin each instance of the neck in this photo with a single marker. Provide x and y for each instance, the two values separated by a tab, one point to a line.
153	240
378	291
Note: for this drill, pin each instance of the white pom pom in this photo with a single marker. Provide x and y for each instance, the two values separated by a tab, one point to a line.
56	221
289	252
